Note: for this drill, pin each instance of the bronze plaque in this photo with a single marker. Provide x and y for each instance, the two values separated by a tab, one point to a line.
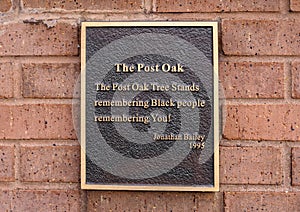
149	106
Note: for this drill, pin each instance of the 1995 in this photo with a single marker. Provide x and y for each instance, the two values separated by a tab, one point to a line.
197	145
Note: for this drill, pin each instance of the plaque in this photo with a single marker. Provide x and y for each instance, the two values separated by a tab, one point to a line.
149	106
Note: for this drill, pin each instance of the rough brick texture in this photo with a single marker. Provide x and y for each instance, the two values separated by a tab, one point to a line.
127	5
36	122
261	201
261	37
296	80
252	80
151	201
5	199
40	200
264	163
216	5
295	5
296	166
262	122
7	71
7	163
38	39
50	164
50	80
5	5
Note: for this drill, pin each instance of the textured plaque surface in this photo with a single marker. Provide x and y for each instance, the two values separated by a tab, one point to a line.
149	106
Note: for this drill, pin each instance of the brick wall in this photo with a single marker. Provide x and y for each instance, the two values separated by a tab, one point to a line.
259	71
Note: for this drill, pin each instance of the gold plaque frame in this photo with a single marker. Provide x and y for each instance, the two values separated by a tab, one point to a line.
84	184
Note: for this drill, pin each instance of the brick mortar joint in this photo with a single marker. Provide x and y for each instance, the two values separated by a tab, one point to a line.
258	188
41	12
48	142
79	17
42	188
17	164
258	59
256	143
285	6
287	168
48	145
288	85
41	20
37	101
263	15
261	102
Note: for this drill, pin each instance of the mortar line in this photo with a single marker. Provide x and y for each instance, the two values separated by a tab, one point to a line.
17	6
154	6
292	158
100	15
17	164
46	142
258	58
287	169
49	143
84	200
288	81
260	16
257	188
32	101
18	82
40	186
284	6
147	5
256	143
241	102
40	59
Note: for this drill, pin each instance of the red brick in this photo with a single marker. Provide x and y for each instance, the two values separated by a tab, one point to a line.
126	5
7	71
50	80
5	5
296	80
262	201
264	163
37	39
50	164
37	121
150	201
296	166
252	79
295	5
262	122
5	199
216	6
261	37
7	163
41	200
